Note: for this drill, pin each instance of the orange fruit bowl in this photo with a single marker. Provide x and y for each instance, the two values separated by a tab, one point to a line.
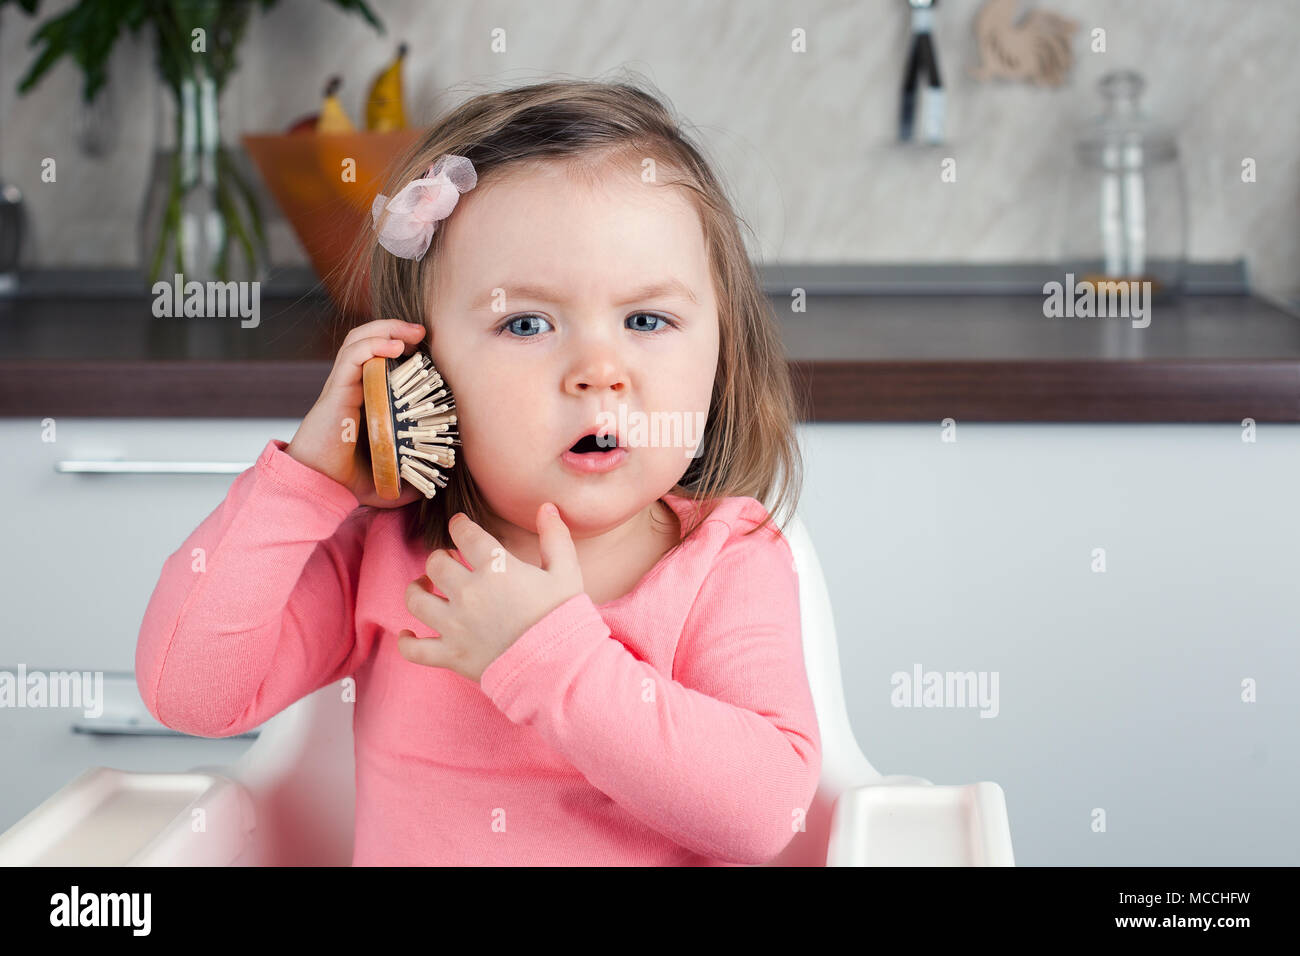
327	209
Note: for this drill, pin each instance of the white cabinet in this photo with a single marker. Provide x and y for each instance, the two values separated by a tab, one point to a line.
1159	687
81	556
83	550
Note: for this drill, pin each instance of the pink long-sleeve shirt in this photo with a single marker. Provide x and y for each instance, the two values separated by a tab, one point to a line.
671	726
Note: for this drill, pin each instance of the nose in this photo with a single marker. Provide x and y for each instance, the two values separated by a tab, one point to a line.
598	368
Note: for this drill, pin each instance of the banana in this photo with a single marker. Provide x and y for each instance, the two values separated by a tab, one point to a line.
384	110
333	118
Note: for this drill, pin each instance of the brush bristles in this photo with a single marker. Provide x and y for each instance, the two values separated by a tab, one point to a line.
430	438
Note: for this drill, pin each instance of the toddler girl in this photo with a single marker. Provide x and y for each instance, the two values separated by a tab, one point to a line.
562	657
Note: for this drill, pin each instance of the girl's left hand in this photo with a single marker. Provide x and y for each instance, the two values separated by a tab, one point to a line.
489	608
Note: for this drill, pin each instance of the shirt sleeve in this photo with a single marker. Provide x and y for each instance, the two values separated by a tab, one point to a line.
256	608
724	755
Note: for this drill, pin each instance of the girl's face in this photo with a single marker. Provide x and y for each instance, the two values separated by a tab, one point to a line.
542	321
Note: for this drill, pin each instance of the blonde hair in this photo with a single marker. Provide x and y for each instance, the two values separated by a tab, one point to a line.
750	446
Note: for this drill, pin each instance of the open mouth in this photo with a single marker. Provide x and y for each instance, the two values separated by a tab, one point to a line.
594	444
595	454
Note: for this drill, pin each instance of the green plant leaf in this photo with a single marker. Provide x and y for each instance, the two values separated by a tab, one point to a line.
87	32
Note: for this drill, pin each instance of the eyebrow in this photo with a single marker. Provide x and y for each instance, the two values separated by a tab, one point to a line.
662	289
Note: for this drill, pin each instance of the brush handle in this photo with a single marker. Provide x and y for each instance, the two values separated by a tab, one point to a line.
379	427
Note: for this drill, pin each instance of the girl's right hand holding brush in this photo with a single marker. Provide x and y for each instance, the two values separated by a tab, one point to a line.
322	440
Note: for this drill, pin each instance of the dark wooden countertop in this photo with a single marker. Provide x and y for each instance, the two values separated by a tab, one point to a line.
1204	358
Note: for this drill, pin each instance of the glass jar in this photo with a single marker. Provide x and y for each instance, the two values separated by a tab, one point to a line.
1125	206
201	216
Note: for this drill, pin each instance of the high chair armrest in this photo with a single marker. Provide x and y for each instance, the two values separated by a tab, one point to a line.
108	817
896	823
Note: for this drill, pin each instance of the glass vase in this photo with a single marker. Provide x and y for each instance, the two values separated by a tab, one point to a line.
200	217
1126	209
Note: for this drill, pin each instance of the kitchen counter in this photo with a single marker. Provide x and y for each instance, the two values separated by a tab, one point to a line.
863	358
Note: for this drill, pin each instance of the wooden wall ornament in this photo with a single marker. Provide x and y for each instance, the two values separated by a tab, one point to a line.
1034	47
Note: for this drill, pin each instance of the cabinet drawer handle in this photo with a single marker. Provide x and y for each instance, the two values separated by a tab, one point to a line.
135	730
109	467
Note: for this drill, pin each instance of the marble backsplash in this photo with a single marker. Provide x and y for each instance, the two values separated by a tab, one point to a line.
804	141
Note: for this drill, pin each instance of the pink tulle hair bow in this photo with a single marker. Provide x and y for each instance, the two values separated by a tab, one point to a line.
414	212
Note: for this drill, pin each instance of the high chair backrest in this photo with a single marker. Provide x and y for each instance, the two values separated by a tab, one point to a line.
301	768
843	764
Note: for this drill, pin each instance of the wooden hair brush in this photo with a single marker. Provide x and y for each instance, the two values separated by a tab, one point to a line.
410	420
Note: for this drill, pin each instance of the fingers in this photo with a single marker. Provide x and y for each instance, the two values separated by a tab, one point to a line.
443	567
428	607
473	542
554	541
385	328
429	651
347	366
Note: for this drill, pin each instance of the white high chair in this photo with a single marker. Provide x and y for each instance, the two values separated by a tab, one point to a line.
289	800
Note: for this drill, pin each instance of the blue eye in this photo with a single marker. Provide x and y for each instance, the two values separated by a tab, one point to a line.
509	324
520	318
651	315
